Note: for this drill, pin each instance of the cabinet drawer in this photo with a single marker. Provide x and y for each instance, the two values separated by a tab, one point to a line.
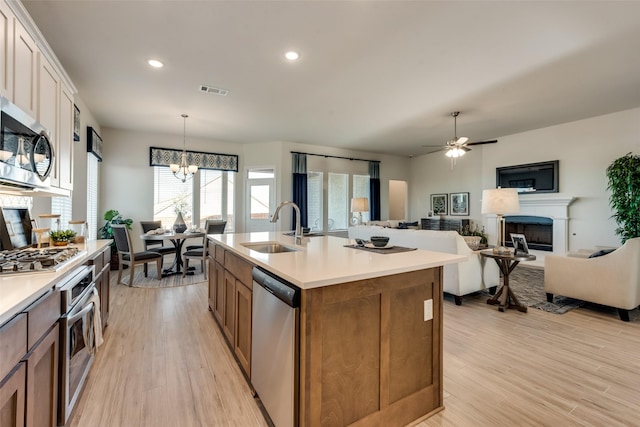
219	254
13	343
97	261
106	256
239	268
42	314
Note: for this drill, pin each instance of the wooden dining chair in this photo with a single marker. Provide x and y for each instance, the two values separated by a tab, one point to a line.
126	256
155	245
211	226
199	253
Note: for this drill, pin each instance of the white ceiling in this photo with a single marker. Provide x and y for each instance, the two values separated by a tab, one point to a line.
379	76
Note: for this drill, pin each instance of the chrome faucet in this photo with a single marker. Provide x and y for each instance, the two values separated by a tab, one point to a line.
298	232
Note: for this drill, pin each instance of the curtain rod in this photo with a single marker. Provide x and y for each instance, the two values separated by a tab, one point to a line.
335	157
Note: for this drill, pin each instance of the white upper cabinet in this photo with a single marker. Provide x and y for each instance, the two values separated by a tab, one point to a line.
25	70
6	51
65	139
32	78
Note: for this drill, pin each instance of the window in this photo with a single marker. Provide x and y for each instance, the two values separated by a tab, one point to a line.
92	197
216	197
215	191
338	201
330	210
314	201
62	207
171	195
361	189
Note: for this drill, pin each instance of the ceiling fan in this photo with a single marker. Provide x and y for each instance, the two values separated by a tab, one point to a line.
458	146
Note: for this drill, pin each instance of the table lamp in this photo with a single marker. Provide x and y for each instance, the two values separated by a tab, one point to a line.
500	201
359	205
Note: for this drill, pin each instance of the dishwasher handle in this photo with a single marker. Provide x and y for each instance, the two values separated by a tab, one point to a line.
280	288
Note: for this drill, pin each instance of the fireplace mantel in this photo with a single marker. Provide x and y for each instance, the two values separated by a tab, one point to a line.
551	206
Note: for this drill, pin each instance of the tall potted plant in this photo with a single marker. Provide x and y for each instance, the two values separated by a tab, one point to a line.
112	216
624	182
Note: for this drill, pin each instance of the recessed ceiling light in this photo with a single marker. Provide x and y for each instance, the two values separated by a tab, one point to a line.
155	63
292	55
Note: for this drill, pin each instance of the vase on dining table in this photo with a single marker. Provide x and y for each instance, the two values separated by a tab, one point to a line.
179	226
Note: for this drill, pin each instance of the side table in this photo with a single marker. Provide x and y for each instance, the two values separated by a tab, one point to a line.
507	262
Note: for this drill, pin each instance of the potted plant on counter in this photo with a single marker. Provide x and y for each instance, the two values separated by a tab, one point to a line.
61	237
112	216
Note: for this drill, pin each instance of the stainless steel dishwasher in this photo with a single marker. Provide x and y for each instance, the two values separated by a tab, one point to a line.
274	346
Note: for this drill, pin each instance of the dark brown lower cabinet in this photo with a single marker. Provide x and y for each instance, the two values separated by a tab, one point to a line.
12	391
42	381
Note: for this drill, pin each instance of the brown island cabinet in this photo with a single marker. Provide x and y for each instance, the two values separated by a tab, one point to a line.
370	353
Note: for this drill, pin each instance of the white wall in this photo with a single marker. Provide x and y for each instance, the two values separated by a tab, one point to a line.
585	148
127	179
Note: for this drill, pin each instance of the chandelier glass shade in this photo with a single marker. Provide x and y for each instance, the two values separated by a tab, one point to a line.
183	170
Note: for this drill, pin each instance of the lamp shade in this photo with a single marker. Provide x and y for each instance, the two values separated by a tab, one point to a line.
500	201
360	204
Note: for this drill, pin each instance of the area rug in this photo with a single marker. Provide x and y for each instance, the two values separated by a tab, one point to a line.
151	281
528	285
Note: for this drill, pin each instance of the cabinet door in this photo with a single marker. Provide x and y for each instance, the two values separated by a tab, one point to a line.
6	51
211	283
42	382
12	393
48	104
65	139
105	295
218	303
229	318
25	70
242	341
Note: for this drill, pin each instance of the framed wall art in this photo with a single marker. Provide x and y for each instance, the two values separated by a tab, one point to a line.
439	204
76	123
459	203
94	143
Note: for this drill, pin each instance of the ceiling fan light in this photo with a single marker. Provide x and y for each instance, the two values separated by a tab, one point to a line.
455	153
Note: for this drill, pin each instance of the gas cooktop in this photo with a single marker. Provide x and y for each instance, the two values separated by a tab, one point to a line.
33	260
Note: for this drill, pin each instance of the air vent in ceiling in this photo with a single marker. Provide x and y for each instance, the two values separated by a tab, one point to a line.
214	90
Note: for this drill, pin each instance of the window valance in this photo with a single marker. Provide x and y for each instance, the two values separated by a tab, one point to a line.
166	156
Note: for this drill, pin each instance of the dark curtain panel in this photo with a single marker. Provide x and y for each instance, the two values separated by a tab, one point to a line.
299	187
374	191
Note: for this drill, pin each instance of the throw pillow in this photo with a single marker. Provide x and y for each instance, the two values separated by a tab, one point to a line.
601	253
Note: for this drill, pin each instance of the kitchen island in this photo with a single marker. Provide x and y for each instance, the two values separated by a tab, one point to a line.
370	324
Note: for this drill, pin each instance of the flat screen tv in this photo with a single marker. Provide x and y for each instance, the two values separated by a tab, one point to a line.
530	178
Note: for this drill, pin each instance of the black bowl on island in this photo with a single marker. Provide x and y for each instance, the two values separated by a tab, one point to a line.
379	241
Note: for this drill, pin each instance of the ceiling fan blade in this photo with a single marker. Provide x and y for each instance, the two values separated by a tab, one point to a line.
461	140
493	141
435	150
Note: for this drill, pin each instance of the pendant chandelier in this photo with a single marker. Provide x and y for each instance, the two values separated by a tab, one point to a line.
183	170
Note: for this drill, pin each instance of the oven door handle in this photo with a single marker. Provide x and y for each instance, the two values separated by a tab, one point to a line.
79	315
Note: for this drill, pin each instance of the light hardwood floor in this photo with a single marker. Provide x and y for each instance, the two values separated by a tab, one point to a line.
164	363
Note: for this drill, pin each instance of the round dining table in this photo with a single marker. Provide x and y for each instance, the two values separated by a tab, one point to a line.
177	239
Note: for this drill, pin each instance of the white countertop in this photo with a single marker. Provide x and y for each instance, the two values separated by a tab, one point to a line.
323	260
17	291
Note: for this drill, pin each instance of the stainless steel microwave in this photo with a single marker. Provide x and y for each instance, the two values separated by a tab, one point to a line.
26	154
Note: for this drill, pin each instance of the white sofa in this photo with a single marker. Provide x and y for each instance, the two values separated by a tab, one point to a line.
612	280
475	274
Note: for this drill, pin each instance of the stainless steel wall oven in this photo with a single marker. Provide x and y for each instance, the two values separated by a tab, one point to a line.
76	337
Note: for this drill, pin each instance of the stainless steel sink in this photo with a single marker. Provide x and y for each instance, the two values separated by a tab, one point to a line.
269	247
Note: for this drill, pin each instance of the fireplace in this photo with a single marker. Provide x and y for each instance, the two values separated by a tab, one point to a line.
536	229
551	207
